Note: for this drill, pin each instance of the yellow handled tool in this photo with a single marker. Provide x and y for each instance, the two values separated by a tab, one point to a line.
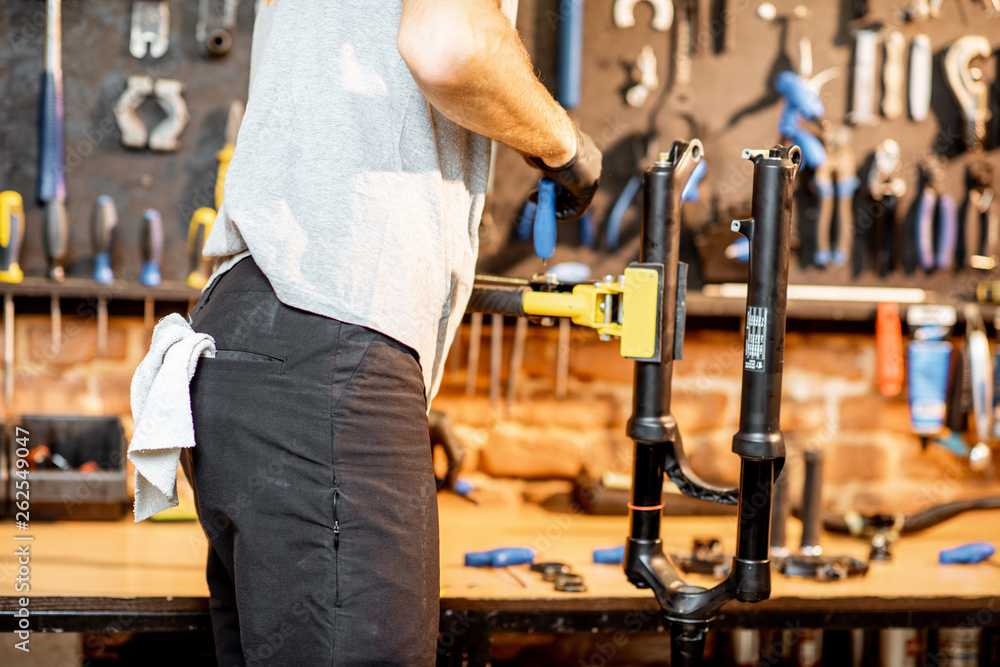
198	231
233	122
11	235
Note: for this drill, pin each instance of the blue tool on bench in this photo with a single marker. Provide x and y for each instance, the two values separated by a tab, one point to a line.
967	554
500	557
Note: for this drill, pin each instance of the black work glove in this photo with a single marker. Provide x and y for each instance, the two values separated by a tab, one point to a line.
577	179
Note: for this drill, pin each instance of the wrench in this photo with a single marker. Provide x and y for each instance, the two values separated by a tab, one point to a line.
892	75
150	28
648	79
663	13
967	85
215	28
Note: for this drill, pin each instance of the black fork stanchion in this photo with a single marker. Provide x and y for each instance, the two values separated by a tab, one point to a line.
759	441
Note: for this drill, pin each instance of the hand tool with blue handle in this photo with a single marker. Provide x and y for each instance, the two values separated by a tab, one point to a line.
500	557
688	194
610	555
544	234
152	248
570	52
51	170
968	554
102	229
947	232
539	219
926	208
802	102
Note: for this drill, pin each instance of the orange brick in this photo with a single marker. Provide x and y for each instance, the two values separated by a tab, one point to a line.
831	355
698	411
601	361
802	416
867	460
43	393
933	463
114	392
532	453
711	456
79	342
597	412
710	357
465	410
875	412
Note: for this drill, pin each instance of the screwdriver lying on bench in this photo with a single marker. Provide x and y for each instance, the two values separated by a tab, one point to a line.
969	554
502	558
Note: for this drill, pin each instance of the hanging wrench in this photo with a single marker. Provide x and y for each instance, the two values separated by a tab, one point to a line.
648	78
663	13
216	24
150	28
967	85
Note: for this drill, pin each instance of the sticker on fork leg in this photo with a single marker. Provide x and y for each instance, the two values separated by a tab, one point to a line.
753	347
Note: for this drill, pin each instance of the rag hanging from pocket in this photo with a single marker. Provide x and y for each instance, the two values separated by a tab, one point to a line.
161	408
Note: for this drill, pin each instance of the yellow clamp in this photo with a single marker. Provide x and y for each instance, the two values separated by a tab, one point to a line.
626	308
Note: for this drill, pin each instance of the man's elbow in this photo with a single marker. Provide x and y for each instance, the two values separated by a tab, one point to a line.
437	60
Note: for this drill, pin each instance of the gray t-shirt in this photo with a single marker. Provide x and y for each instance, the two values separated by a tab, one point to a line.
357	199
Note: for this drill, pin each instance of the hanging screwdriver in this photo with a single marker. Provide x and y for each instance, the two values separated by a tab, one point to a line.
103	225
152	248
51	170
198	231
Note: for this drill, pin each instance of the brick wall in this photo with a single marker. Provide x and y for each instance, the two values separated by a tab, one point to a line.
830	402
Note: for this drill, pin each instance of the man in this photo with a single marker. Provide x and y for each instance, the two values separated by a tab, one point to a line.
349	238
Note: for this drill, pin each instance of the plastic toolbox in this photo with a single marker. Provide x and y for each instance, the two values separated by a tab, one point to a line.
81	475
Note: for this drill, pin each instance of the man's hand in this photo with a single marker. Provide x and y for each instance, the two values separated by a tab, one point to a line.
578	178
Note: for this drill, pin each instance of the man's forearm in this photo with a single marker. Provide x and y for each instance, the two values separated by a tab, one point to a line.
471	65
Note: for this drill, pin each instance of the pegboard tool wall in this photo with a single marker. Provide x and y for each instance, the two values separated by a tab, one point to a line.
732	99
734	108
96	66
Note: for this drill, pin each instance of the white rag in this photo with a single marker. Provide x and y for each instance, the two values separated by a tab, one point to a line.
161	408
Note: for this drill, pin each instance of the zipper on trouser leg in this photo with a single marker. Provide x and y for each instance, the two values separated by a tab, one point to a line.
336	547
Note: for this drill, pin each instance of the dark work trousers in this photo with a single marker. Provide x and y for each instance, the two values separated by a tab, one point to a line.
315	486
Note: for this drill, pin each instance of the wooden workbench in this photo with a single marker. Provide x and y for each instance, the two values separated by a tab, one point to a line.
121	576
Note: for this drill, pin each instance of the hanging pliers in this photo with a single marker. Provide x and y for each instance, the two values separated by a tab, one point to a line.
884	186
977	243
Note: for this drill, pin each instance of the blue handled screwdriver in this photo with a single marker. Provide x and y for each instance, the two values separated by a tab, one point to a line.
152	248
102	230
501	558
968	554
51	170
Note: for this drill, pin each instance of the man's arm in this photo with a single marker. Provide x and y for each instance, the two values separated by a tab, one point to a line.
470	64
